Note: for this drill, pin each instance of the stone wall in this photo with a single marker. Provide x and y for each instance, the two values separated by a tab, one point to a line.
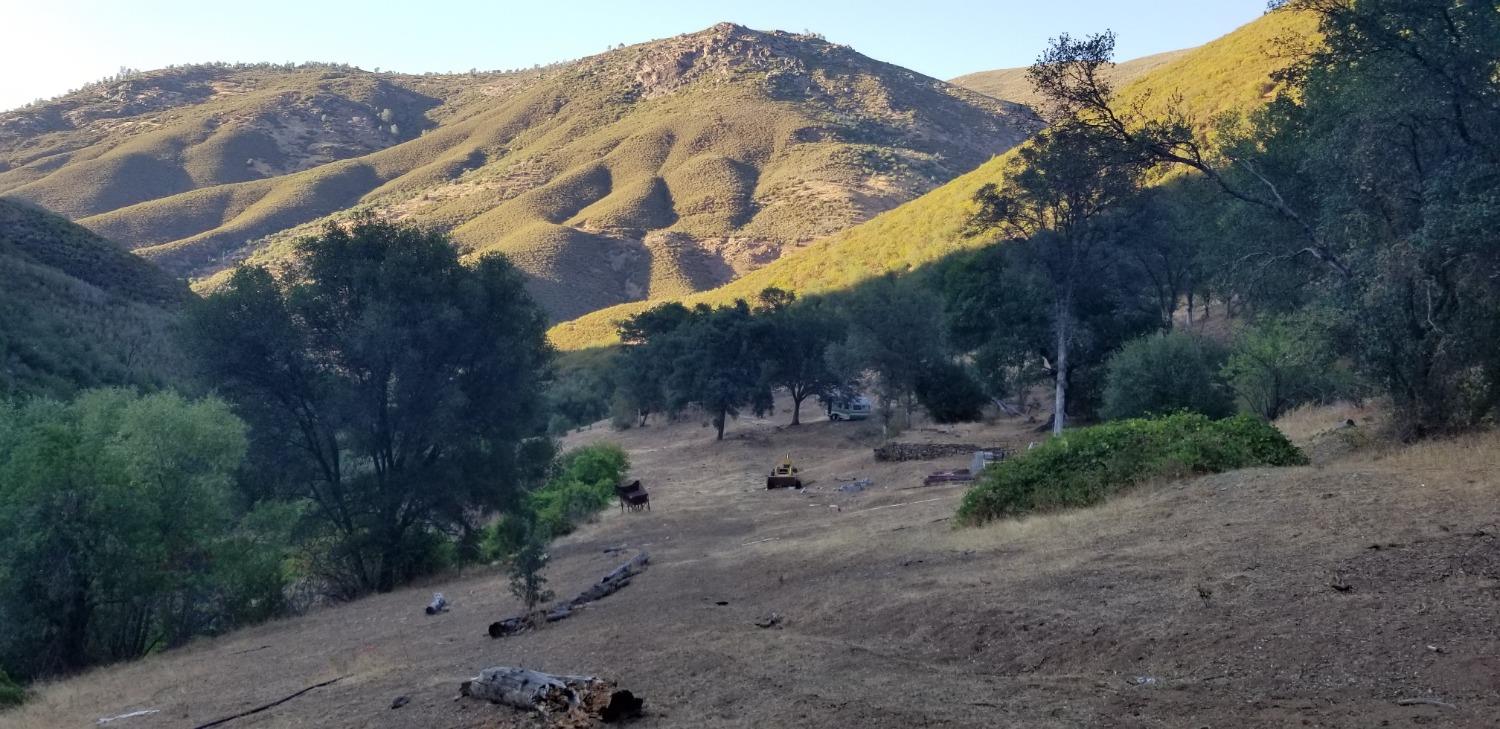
928	451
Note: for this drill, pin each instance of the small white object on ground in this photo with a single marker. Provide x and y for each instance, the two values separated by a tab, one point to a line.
131	715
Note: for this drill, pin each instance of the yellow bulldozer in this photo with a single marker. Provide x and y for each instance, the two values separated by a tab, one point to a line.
784	476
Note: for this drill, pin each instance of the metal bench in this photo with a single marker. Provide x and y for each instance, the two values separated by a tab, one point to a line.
633	496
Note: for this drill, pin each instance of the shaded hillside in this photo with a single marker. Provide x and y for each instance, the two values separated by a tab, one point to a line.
1231	73
1011	84
76	310
655	170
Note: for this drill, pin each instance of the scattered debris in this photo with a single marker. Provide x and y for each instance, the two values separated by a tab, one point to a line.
761	541
400	702
770	621
1143	681
1340	584
272	705
617	579
131	715
1424	702
983	459
566	701
957	475
855	487
439	604
896	506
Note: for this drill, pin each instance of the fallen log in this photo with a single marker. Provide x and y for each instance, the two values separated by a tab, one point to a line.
574	697
272	705
611	583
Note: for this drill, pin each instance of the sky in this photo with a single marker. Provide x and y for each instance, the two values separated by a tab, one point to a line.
51	46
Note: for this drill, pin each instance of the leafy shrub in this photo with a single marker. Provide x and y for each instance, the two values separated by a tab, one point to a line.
583	485
11	693
120	502
1085	466
526	580
1284	362
950	394
1164	373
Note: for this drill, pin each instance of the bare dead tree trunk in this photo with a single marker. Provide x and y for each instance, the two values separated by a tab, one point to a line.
1064	334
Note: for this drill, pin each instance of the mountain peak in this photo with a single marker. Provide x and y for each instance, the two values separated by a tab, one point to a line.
721	52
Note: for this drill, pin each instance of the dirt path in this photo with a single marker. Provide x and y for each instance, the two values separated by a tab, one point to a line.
1206	603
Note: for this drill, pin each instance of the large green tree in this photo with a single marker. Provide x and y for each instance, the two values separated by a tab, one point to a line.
1057	197
895	334
116	526
795	338
395	389
719	366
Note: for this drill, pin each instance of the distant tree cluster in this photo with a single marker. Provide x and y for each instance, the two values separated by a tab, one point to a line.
732	359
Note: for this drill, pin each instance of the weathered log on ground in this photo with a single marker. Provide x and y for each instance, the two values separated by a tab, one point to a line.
611	583
575	699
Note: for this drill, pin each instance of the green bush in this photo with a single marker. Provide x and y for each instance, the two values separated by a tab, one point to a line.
950	394
11	693
122	503
1283	362
1165	373
583	485
1085	466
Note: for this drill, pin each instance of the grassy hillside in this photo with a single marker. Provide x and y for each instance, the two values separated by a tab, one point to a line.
78	311
1010	84
654	170
1231	73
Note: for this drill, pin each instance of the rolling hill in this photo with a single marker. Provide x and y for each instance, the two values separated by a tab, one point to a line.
1231	73
78	311
1010	84
645	172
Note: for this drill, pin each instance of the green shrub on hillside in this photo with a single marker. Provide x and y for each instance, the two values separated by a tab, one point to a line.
584	485
1083	467
123	503
1282	362
1164	373
11	693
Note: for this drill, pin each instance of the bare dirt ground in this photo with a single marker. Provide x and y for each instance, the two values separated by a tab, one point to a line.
1204	603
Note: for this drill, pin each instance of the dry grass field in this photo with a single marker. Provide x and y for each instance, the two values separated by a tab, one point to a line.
1333	595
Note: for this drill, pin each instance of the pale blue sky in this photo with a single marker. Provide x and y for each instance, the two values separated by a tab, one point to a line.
51	46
